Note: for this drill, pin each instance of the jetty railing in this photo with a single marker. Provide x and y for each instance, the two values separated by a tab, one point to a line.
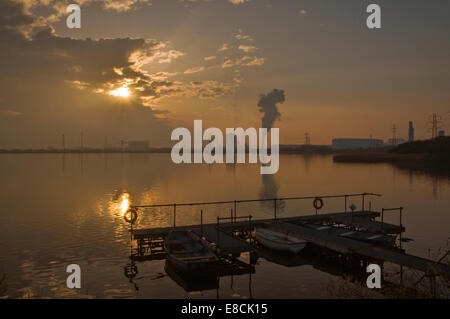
274	200
395	209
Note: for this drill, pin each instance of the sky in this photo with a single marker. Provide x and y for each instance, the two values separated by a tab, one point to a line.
137	69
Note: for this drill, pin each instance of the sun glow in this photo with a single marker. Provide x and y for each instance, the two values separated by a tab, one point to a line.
125	203
123	91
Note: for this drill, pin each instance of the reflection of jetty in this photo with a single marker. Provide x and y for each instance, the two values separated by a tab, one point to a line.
354	233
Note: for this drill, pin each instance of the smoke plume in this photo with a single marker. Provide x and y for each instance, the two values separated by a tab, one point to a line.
268	105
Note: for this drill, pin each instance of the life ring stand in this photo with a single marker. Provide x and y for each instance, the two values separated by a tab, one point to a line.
131	215
318	203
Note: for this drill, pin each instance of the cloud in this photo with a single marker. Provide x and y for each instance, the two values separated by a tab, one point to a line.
79	84
255	61
60	84
122	5
224	47
238	1
165	56
212	89
242	61
247	48
194	70
241	36
9	113
209	58
227	64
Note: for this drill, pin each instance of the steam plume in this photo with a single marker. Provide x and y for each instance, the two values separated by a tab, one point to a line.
267	105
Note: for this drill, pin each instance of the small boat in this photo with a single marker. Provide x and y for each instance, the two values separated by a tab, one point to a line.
279	241
189	253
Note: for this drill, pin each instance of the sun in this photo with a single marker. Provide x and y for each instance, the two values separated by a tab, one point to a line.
123	91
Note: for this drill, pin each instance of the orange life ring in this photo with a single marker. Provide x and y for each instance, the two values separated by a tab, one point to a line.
133	215
318	203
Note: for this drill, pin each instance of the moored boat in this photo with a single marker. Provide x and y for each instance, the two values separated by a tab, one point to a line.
189	253
279	241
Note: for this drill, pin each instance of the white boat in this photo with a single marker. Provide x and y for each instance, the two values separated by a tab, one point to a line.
279	241
189	253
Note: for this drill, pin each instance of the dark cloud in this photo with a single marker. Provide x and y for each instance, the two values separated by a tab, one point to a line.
53	81
13	14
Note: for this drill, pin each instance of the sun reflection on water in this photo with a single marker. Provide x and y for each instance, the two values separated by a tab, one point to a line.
125	202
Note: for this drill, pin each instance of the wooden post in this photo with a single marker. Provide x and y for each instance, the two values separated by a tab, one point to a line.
401	209
363	196
345	203
250	227
201	221
174	215
275	208
235	210
218	234
401	275
231	215
382	219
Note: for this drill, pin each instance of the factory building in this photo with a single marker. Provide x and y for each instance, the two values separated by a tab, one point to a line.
410	132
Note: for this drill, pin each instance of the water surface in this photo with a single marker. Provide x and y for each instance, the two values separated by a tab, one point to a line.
58	209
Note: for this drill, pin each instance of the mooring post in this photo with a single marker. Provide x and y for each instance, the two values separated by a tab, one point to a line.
231	215
218	234
131	239
235	210
401	231
401	274
174	214
345	203
275	208
363	196
201	221
382	219
250	227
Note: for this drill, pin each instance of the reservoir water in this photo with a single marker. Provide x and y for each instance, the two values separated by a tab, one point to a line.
59	209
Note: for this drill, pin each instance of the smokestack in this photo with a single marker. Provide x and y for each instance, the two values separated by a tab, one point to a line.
267	106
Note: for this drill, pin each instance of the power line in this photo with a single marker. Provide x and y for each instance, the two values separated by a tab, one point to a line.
394	134
436	124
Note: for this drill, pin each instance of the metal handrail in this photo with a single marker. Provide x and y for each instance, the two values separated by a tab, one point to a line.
254	200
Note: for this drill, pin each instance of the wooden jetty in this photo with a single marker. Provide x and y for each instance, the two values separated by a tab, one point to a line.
350	233
349	246
222	235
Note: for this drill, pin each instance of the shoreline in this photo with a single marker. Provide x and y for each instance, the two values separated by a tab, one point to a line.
382	157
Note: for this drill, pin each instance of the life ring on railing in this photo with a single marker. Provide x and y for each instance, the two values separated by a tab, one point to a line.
318	203
132	212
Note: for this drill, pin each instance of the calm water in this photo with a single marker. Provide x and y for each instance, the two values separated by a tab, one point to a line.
61	209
